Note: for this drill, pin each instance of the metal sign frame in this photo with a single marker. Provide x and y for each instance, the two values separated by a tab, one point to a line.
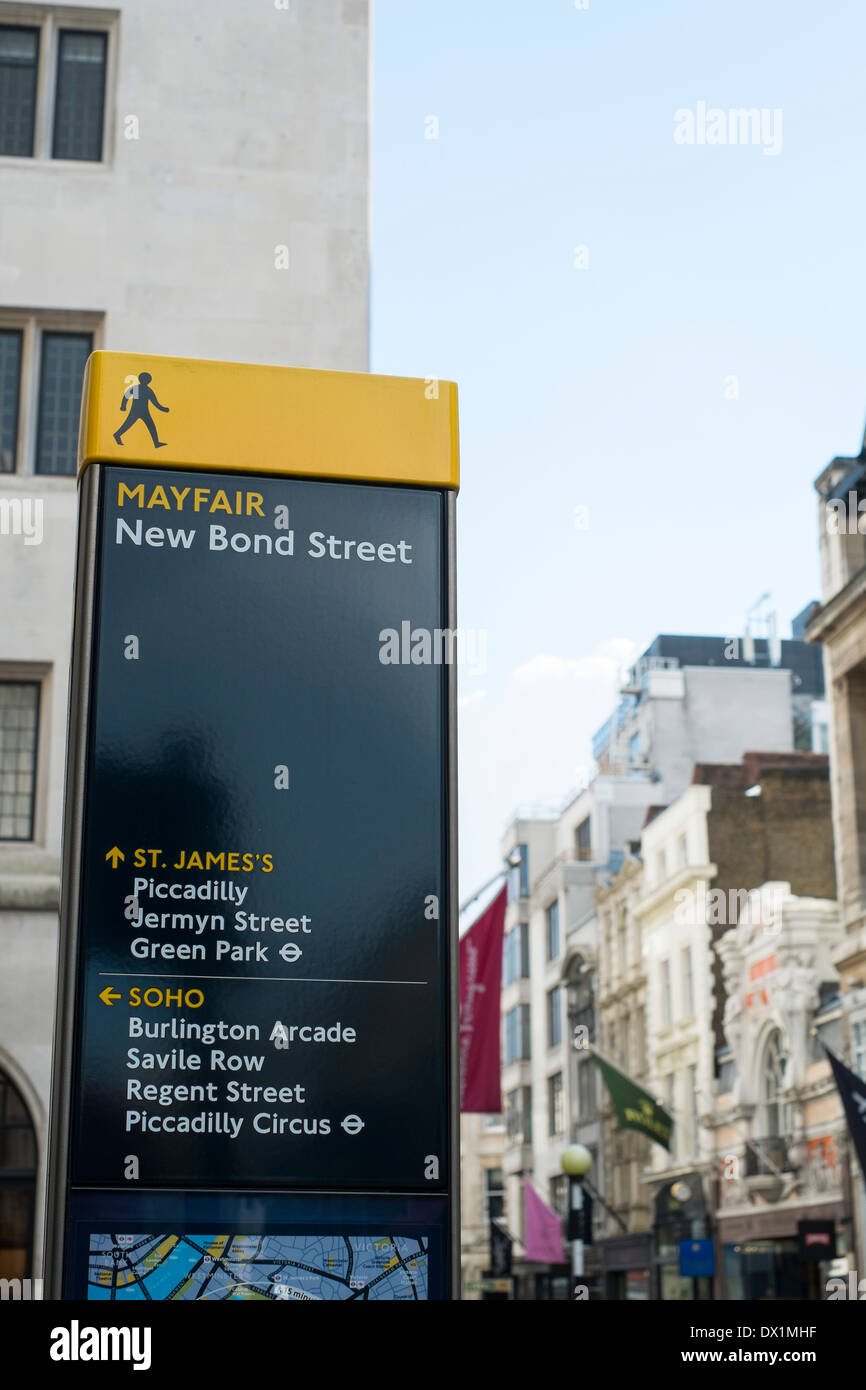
416	444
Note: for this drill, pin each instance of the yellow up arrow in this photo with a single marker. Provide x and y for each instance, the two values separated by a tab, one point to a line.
114	855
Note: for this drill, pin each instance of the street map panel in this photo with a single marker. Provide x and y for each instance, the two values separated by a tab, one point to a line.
287	1268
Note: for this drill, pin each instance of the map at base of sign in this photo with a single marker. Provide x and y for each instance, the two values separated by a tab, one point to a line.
274	1247
309	1268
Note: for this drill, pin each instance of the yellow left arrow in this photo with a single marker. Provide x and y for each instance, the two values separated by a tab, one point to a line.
109	996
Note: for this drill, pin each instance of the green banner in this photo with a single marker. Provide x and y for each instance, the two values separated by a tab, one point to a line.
634	1108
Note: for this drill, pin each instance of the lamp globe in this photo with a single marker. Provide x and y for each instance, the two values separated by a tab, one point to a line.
576	1161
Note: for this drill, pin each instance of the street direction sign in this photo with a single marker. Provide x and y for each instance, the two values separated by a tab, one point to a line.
258	938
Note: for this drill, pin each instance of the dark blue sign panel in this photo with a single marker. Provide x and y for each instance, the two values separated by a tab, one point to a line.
697	1259
263	954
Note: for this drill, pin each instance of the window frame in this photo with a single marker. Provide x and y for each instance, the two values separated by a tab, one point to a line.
516	941
687	968
34	782
518	1116
666	1003
555	1104
32	324
554	1000
30	28
494	1194
51	20
553	925
17	332
24	1180
44	335
517	1033
62	31
586	1089
41	673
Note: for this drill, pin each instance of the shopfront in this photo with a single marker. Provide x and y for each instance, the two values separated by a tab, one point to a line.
780	1256
626	1268
680	1214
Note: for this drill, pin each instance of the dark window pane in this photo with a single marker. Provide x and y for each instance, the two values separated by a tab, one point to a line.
19	714
19	56
10	384
80	98
17	1183
63	358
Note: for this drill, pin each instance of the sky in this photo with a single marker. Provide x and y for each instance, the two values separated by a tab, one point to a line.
682	378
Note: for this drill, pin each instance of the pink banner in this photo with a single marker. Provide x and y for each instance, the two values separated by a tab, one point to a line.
480	985
543	1240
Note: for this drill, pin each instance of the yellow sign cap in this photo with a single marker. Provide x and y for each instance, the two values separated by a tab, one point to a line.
184	412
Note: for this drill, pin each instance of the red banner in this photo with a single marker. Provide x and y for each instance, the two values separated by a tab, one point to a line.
480	984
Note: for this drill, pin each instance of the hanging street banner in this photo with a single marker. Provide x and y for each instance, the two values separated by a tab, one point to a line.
852	1091
542	1242
635	1108
258	990
480	1022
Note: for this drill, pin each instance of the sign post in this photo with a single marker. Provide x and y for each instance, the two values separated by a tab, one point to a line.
255	1076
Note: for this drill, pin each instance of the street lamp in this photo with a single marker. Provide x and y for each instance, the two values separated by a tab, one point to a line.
576	1161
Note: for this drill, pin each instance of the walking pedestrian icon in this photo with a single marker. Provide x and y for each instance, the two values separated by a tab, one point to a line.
142	398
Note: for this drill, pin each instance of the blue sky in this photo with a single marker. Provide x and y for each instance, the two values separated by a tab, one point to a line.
605	387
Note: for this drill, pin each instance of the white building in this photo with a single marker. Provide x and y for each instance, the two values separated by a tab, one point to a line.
781	1140
177	181
688	699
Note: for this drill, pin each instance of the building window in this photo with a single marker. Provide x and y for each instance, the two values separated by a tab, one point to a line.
553	930
772	1084
517	1034
19	60
515	956
691	1112
581	1005
555	1105
559	1195
10	396
518	873
670	1107
634	755
494	1193
554	1016
17	1183
858	1034
665	982
583	840
53	88
683	847
688	983
19	727
79	102
622	946
518	1115
60	378
42	359
586	1092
